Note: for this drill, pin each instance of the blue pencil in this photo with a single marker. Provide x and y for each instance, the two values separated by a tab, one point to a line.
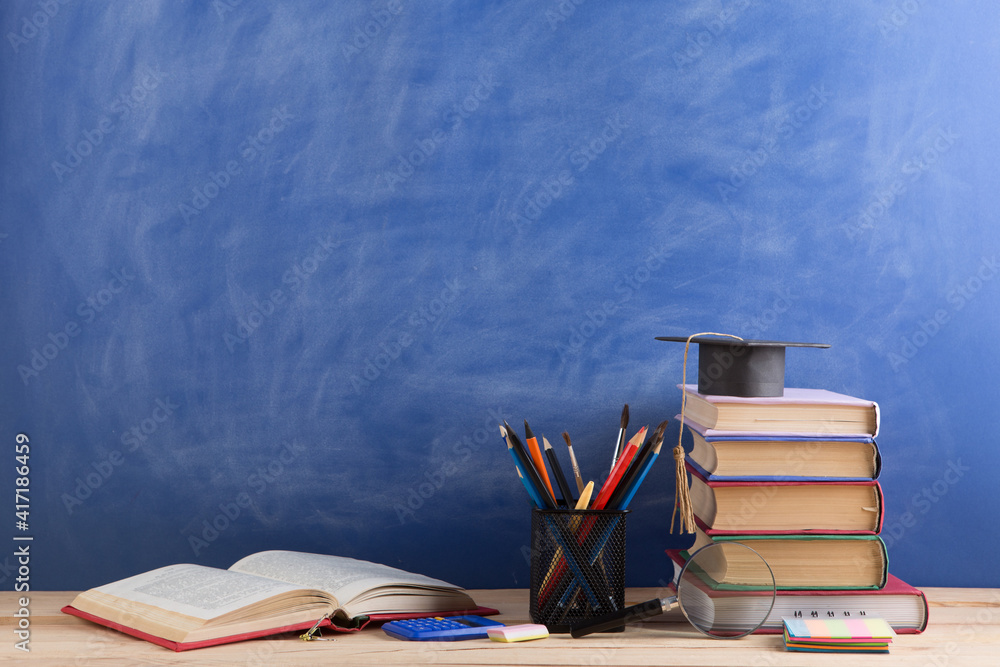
536	499
637	480
529	471
637	469
632	485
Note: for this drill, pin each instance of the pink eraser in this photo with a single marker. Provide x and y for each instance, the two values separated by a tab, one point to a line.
517	633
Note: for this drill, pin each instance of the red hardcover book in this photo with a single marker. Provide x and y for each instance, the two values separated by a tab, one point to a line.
187	606
300	627
900	604
747	507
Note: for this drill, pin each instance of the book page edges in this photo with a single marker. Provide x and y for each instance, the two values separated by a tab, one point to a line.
186	645
792	396
326	624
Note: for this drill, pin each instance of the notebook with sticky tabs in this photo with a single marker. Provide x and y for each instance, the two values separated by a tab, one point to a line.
870	634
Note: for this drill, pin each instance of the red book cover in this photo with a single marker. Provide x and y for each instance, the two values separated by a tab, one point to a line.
910	618
900	604
764	487
326	625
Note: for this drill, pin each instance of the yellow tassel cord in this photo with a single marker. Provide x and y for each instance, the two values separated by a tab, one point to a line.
682	496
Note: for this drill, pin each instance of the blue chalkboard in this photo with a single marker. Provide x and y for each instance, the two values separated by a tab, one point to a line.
271	274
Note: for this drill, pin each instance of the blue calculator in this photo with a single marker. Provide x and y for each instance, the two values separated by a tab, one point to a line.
440	629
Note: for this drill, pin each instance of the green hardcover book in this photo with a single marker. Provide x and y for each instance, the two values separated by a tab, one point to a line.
799	562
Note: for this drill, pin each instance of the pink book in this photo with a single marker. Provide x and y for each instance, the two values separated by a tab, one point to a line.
753	507
816	412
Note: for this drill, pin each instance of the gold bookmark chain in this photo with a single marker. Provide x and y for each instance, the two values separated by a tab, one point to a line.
315	634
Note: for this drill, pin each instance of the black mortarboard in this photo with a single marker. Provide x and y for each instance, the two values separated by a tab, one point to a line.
733	367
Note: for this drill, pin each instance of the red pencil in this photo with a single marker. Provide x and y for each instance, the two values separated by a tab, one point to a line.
553	581
619	470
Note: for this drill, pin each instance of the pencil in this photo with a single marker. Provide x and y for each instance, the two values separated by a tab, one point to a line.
634	485
559	557
576	466
638	467
611	483
536	499
536	456
549	502
557	472
620	442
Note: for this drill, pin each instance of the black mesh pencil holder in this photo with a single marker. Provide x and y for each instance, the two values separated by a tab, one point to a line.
577	566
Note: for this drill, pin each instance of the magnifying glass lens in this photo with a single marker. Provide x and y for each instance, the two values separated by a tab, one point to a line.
726	590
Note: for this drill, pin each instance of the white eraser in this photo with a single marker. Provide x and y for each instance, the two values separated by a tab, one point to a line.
517	633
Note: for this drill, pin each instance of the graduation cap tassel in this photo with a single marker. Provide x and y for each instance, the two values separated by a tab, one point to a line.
682	493
682	496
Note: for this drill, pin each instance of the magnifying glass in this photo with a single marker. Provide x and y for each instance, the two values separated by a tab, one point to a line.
726	590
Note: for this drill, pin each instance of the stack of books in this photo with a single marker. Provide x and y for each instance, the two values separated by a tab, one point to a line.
795	478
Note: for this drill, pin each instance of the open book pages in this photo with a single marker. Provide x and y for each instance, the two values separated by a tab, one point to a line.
360	587
187	602
265	591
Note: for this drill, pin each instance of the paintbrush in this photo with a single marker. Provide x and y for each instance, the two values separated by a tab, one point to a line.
637	468
620	442
576	467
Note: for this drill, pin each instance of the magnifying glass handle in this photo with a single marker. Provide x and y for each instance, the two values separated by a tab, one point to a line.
617	619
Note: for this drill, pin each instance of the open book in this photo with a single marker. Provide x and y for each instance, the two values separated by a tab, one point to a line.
191	606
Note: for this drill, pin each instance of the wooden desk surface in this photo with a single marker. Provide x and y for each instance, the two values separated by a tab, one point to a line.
964	629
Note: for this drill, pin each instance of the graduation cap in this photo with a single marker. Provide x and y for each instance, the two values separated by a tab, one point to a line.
734	367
